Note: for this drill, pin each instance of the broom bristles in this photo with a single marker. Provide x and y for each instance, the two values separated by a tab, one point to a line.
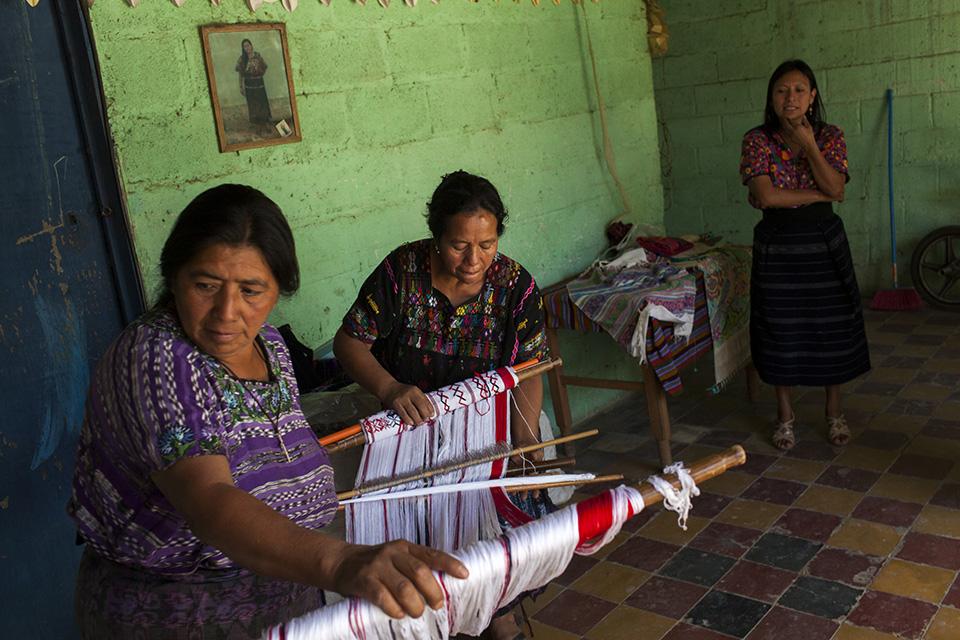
896	300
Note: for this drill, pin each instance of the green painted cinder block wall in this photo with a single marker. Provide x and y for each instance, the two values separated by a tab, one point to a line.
711	88
389	100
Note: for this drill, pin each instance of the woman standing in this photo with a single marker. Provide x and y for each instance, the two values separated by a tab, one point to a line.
251	68
199	488
806	323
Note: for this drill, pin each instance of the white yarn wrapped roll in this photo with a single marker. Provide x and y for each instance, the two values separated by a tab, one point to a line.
524	558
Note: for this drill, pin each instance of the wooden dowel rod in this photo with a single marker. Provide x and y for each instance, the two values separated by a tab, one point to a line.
701	471
524	370
543	466
347	443
429	473
343	434
539	368
580	435
525	365
616	477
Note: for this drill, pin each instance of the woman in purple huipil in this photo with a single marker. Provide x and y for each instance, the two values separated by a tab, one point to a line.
200	488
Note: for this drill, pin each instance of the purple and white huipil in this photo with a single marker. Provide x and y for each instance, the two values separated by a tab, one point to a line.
155	399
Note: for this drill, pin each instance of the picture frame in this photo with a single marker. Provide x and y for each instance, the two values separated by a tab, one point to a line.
251	84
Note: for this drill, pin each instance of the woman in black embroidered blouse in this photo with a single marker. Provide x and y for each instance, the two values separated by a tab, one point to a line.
439	310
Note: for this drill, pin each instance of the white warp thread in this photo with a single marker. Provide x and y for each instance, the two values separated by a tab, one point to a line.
446	521
478	389
673	500
523	558
465	423
624	498
464	487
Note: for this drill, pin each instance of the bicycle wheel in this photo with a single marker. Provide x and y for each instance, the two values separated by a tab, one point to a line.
935	267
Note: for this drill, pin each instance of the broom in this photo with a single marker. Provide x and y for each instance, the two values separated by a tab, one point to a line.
895	299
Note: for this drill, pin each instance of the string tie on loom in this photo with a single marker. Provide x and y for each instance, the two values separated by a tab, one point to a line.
673	500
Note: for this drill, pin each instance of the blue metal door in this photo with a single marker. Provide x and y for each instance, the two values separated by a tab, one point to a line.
68	284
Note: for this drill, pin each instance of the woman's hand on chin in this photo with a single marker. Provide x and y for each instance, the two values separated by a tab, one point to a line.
396	576
410	403
800	130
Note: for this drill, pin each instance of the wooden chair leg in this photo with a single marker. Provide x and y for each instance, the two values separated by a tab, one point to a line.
659	413
558	393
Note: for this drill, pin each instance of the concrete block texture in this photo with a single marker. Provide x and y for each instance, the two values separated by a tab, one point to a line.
390	100
857	50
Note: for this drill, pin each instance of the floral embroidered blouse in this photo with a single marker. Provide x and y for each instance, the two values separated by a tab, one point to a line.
765	155
422	339
156	399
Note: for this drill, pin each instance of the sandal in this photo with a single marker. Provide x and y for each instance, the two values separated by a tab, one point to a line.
783	436
838	432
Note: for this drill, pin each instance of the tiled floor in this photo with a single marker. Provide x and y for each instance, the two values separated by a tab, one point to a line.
853	543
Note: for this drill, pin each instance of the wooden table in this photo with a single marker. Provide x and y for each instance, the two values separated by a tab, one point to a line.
661	368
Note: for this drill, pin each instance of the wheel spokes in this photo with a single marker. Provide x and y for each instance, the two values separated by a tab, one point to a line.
946	287
936	267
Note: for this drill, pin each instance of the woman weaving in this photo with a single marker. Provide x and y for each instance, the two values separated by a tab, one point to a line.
806	324
443	309
199	486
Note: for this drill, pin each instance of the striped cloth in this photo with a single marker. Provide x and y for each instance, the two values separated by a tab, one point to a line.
156	399
726	276
665	354
806	323
624	302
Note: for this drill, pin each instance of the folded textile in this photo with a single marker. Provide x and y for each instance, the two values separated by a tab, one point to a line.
726	276
622	300
663	245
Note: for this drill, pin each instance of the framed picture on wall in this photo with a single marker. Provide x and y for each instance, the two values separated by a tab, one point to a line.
251	85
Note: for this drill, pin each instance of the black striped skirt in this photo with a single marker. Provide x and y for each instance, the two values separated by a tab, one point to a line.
806	321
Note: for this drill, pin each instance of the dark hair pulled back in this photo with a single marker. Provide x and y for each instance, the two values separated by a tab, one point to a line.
234	215
462	192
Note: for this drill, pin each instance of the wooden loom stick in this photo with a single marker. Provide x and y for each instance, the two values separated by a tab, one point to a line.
545	465
499	455
352	436
349	614
701	471
615	477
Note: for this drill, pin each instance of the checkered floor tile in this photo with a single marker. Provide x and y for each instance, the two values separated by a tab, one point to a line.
856	542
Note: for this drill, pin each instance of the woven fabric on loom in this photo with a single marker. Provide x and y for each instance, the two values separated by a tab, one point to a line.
472	416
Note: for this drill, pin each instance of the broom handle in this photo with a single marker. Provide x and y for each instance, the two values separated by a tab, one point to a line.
893	220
